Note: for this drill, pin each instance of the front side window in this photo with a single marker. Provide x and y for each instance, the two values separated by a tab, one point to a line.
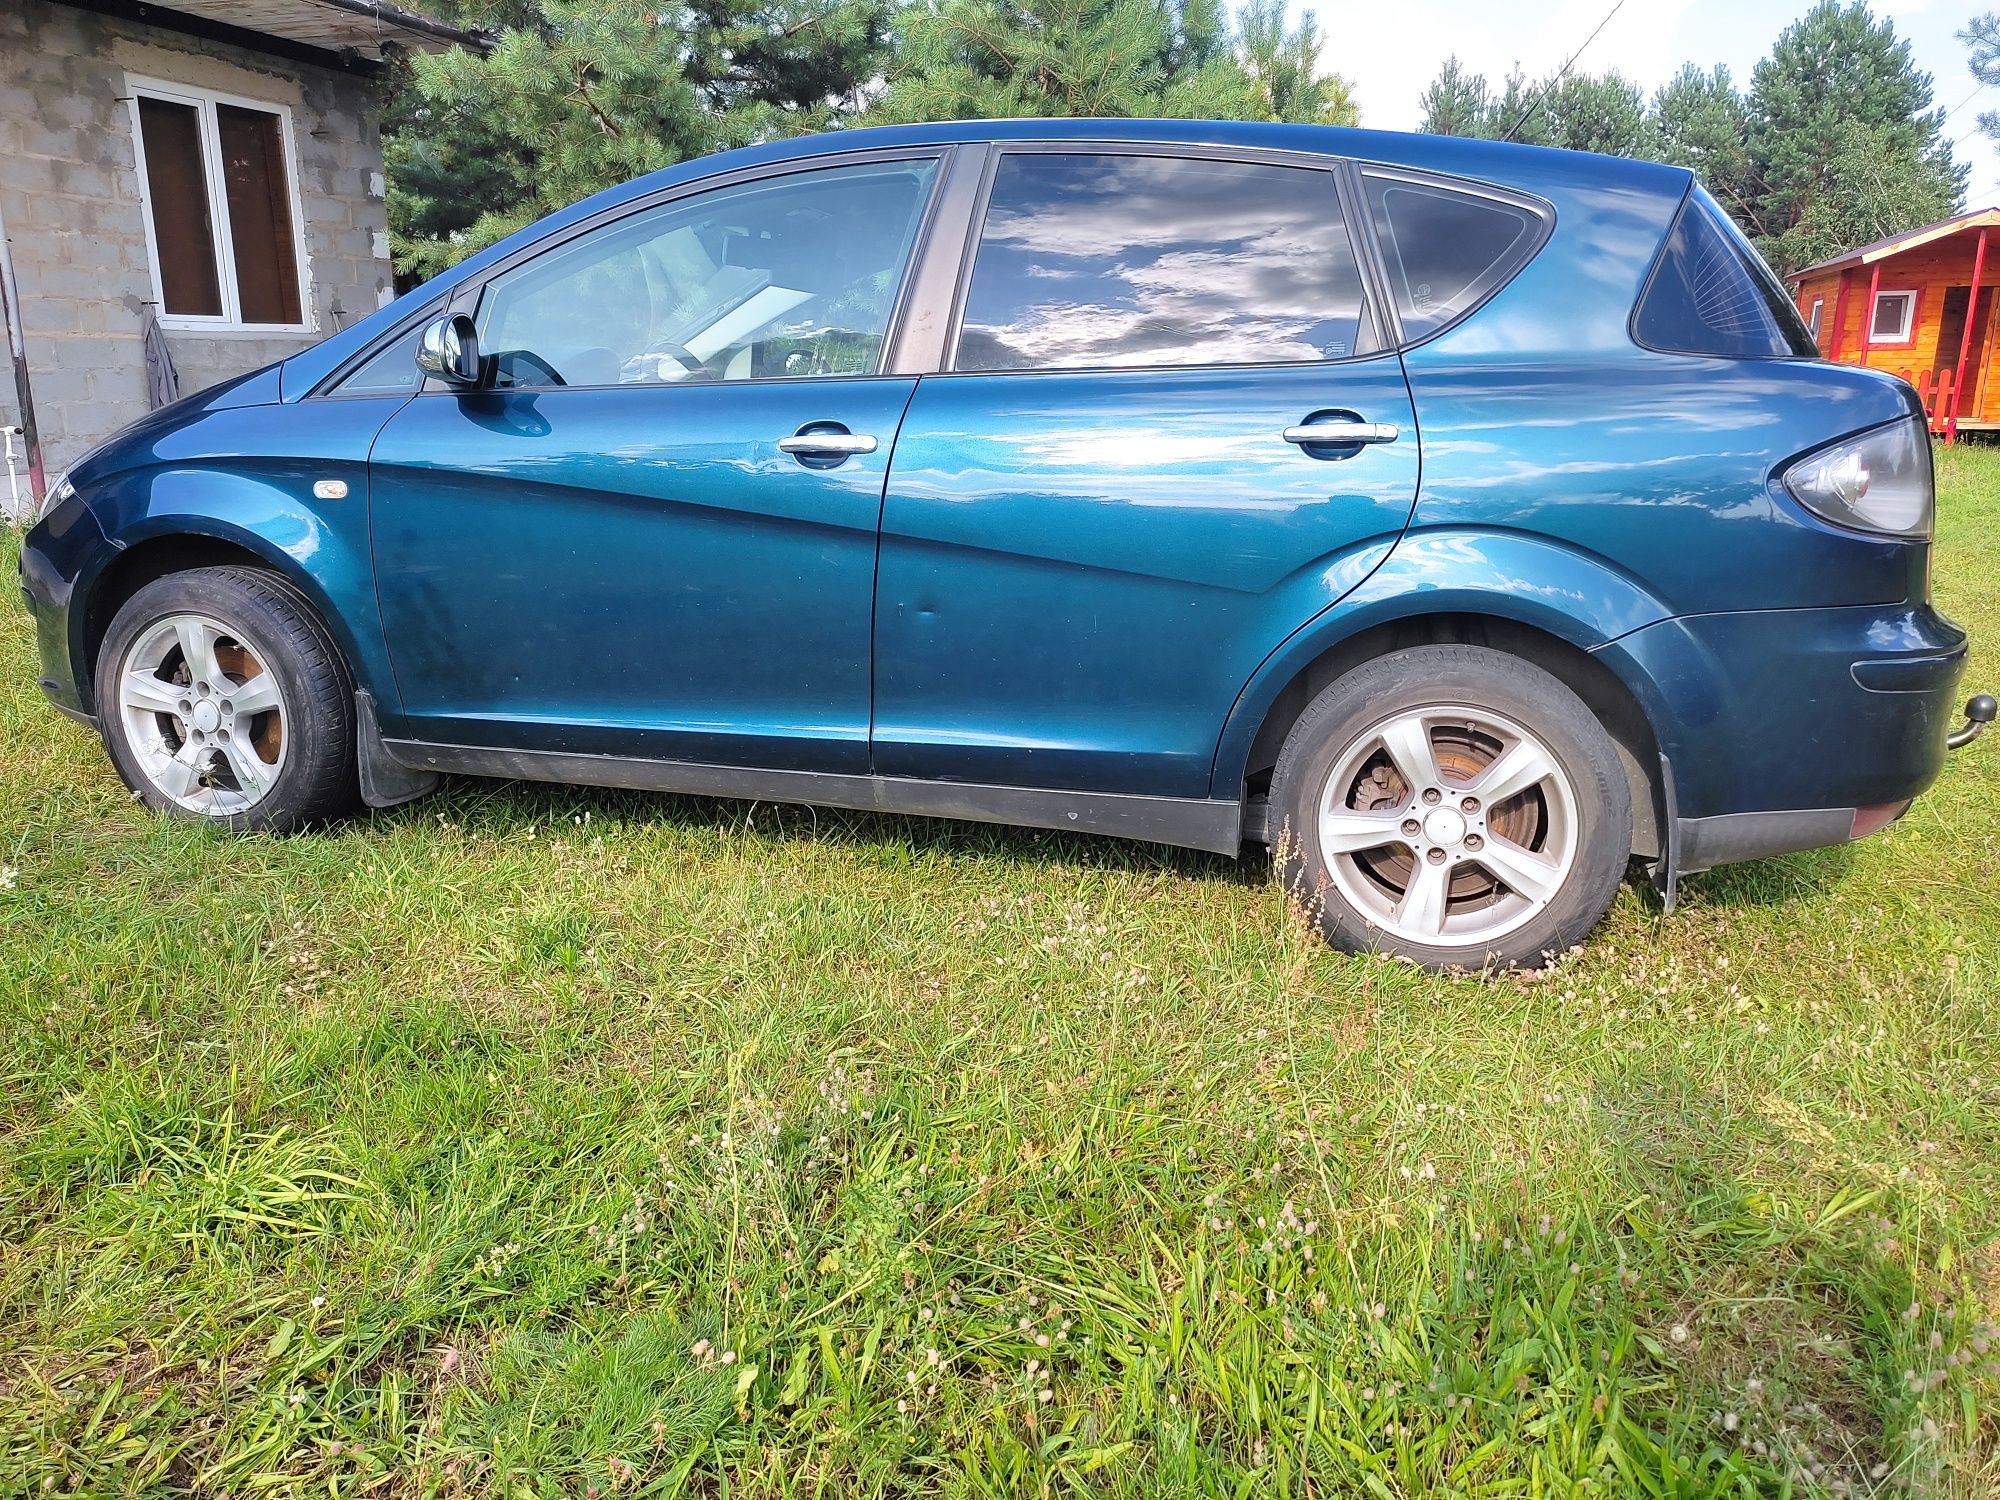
1445	250
1895	314
1711	293
777	278
221	213
1100	260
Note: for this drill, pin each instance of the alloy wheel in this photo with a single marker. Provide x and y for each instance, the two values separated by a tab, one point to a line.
202	715
1448	826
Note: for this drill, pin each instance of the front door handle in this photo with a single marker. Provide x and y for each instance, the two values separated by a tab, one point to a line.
826	444
1330	434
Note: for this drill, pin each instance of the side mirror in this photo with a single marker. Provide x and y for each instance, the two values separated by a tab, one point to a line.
450	351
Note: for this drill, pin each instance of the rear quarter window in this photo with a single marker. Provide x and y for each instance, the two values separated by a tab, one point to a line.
1711	293
1447	250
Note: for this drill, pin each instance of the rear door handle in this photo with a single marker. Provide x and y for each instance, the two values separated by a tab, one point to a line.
1329	434
827	444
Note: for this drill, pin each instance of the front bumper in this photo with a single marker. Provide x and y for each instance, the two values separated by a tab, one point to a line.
1778	727
52	557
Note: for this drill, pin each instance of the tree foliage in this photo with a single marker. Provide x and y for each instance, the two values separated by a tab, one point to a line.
579	94
1982	36
994	59
1846	145
1835	142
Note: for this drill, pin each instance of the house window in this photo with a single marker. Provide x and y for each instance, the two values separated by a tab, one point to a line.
220	184
1895	313
1812	318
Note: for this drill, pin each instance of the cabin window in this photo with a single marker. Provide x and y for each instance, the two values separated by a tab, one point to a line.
1812	318
1893	319
220	191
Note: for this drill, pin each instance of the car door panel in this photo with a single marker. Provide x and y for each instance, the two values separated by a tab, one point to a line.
1080	572
1096	526
609	543
635	571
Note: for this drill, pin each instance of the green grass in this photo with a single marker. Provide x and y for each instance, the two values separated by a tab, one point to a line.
528	1141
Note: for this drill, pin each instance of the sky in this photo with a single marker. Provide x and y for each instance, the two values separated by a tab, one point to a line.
1647	41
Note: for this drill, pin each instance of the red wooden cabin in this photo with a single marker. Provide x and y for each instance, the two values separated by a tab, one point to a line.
1904	304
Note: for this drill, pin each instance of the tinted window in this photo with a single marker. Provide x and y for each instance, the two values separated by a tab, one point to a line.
1445	250
1095	260
1712	294
780	277
392	369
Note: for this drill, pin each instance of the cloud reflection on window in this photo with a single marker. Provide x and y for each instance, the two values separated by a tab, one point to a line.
1090	261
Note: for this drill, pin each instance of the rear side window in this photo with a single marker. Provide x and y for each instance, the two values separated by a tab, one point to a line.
1446	251
1089	260
1711	293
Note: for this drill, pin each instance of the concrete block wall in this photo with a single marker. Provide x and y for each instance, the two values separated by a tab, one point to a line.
70	201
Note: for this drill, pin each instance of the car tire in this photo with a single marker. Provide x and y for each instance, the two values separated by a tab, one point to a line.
223	699
1453	805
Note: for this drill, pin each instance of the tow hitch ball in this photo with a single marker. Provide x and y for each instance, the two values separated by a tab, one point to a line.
1978	714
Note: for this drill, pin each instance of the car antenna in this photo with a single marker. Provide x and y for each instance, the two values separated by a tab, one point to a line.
1561	73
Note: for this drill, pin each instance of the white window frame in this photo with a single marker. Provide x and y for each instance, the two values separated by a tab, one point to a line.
1812	321
1906	330
204	102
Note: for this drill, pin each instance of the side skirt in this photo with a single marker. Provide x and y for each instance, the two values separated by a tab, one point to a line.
1190	822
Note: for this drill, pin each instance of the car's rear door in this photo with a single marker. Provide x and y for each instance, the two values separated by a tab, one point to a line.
1107	511
655	537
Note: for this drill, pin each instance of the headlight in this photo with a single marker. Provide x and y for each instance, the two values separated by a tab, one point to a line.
59	490
1880	481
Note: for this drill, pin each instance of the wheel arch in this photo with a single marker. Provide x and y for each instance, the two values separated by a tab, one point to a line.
180	549
1607	696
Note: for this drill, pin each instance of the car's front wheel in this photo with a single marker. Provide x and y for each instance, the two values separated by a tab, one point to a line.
1452	804
222	698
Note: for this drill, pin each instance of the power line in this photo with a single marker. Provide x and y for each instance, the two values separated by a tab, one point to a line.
1977	88
1561	73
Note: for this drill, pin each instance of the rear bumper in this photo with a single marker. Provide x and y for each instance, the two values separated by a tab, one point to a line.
1778	726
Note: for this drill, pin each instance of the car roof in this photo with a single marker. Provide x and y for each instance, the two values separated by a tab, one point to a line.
1504	162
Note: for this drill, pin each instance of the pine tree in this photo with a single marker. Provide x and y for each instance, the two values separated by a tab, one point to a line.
1700	121
986	59
1456	102
1283	65
580	94
1605	113
1982	36
1839	115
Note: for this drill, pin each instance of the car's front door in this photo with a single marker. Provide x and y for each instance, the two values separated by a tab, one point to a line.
655	534
1114	507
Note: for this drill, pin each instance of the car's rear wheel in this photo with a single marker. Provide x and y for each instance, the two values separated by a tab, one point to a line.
223	699
1454	805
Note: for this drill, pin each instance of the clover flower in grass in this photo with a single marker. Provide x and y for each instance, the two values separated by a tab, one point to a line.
10	875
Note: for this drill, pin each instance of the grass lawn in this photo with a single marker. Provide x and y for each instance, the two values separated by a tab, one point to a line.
528	1141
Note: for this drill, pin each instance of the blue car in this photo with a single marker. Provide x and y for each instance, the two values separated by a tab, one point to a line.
1465	522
